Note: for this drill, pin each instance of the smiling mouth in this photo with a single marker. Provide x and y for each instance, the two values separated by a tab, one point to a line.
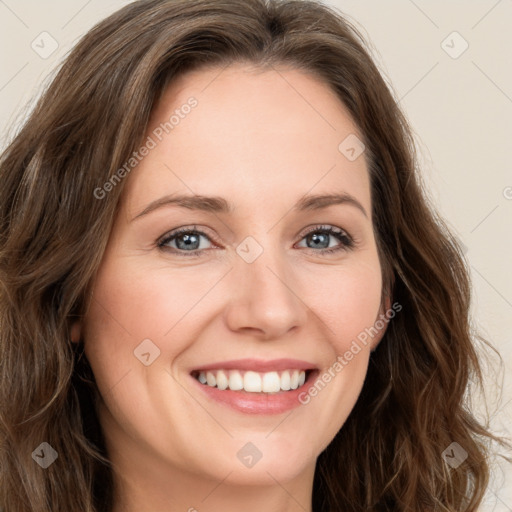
253	382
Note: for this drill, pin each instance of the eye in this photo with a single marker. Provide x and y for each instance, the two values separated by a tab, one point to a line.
321	236
185	240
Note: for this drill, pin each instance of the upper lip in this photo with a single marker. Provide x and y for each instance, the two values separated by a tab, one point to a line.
258	365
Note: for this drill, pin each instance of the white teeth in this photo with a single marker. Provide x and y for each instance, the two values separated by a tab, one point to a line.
222	380
253	382
236	383
210	379
271	383
285	381
294	381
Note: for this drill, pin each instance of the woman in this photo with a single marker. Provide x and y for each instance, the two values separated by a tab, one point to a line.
222	285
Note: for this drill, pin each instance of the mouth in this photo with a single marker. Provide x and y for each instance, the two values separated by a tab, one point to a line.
255	386
249	381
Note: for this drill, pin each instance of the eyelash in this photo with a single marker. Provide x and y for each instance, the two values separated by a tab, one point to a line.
347	242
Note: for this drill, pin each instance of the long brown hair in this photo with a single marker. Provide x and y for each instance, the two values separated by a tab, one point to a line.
54	229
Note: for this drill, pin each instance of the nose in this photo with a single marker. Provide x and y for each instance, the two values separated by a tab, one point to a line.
263	301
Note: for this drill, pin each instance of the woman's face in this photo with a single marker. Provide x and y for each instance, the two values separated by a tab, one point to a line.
251	280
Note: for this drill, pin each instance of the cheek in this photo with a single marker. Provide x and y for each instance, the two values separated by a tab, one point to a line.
347	300
133	302
143	301
347	303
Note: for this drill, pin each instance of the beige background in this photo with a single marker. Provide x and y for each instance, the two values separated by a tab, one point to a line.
459	104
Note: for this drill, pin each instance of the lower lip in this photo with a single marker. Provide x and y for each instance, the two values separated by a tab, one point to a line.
258	403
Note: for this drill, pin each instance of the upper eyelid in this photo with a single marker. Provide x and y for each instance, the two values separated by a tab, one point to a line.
175	232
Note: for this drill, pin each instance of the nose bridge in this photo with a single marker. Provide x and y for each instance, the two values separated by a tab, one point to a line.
264	298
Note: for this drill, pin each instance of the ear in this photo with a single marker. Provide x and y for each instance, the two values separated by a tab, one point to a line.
76	331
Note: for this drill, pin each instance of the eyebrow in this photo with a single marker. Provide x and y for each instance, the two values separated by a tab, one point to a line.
216	204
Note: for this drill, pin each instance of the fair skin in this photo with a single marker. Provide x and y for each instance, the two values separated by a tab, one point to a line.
261	144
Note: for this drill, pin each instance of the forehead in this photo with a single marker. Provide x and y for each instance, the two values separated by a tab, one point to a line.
253	134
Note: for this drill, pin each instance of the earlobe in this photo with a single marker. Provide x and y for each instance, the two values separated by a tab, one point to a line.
76	331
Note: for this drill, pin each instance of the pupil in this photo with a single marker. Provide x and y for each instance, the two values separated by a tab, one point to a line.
188	240
317	236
